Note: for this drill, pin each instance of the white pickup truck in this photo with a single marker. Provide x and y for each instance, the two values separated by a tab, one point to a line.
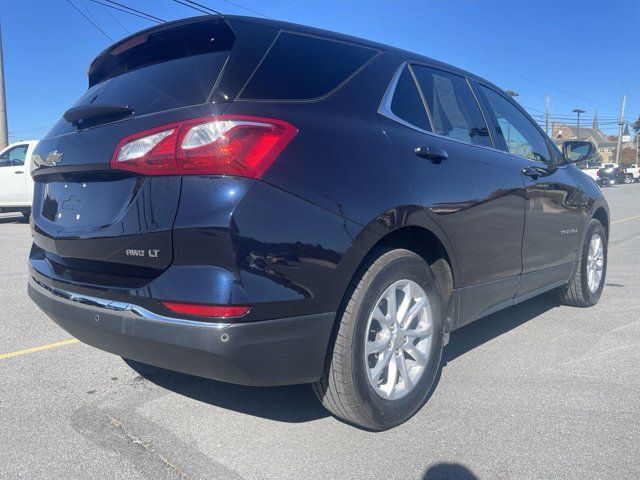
16	184
632	173
590	169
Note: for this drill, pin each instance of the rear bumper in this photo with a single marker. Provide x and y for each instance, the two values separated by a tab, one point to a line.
271	352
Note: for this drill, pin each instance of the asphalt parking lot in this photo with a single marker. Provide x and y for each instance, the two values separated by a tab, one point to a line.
537	391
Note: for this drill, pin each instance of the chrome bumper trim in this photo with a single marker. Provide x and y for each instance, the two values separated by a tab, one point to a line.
126	308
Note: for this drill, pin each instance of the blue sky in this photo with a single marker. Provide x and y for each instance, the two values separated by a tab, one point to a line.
584	53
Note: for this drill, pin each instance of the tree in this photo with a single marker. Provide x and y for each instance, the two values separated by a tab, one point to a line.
636	126
628	156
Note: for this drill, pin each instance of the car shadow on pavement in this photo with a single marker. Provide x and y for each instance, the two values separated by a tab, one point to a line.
477	333
13	219
449	471
291	404
297	403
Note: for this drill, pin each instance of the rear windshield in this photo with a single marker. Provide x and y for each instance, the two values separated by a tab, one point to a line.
162	86
160	70
301	67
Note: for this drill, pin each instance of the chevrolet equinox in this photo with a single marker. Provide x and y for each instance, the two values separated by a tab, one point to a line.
264	203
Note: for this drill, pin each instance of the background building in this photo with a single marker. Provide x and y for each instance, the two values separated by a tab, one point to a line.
606	145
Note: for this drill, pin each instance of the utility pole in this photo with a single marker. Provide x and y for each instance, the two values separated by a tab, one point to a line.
620	125
4	134
546	117
578	112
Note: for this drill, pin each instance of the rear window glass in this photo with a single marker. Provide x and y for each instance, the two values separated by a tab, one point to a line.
172	84
300	67
159	70
407	104
160	46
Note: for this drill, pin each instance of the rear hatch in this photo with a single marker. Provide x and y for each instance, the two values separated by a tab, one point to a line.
90	217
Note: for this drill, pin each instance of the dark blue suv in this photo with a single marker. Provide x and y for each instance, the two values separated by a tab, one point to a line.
265	204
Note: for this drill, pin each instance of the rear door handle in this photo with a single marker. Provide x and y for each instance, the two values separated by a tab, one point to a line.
18	172
434	155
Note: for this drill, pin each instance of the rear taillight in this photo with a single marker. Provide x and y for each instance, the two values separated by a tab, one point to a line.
221	145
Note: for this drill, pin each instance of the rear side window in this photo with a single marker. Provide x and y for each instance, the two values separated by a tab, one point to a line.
301	67
519	133
407	104
454	110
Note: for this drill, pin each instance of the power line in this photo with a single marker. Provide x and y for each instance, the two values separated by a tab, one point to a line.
143	15
244	8
585	121
136	11
463	53
88	10
89	20
84	7
211	10
573	117
204	9
28	130
521	76
288	7
192	7
116	19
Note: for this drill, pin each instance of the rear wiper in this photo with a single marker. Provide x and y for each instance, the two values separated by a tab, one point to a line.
86	115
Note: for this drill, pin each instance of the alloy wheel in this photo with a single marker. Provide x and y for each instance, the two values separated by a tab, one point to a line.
398	339
595	263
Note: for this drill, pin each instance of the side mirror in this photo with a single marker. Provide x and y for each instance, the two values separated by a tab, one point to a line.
578	151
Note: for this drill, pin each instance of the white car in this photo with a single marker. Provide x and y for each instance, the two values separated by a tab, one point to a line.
16	184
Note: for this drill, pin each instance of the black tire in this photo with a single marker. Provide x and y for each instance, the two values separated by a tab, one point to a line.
577	292
344	387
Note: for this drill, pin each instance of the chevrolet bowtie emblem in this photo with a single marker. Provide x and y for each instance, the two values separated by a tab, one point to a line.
53	158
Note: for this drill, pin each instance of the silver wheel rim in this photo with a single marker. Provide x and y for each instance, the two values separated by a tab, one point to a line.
595	263
398	339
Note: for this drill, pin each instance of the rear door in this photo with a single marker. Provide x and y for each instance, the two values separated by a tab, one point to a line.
13	175
87	216
470	189
555	203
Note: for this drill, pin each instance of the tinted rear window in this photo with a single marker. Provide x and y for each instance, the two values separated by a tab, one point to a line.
159	70
162	45
300	67
163	86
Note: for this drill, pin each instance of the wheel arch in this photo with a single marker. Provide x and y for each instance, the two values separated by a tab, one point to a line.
412	229
602	215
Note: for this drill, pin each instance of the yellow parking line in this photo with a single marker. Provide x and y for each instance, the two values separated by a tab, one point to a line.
625	219
39	349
